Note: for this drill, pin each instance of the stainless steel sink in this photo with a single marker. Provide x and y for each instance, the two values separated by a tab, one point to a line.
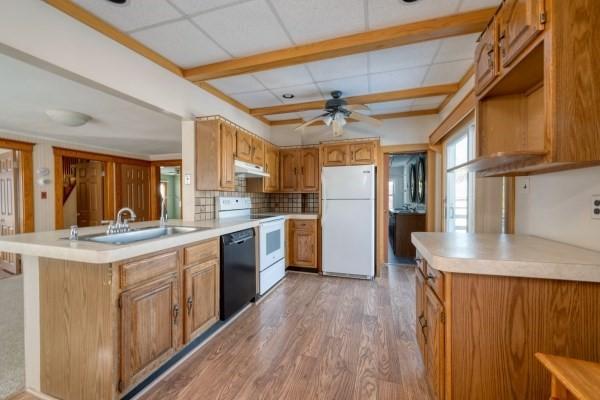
137	235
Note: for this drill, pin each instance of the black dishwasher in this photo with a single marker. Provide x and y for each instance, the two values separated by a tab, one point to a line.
238	272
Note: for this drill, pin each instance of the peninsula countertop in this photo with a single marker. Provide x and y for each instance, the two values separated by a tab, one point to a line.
507	255
55	244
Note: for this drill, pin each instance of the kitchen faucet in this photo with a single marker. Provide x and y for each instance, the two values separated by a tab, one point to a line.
121	225
164	217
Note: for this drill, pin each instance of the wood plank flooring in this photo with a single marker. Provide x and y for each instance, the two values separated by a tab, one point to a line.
313	338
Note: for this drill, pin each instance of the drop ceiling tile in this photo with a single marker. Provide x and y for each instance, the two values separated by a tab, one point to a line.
133	15
470	5
312	20
310	114
450	72
284	77
341	67
457	48
302	93
432	101
384	13
237	84
181	43
282	117
244	29
390	106
257	99
349	86
413	55
397	80
196	6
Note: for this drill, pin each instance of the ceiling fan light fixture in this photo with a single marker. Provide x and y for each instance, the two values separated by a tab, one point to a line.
68	117
339	119
327	120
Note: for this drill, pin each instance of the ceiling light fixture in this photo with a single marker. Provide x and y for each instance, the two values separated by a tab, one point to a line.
68	118
409	1
119	2
288	95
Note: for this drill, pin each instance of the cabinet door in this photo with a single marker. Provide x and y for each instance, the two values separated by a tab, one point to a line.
486	58
150	328
335	154
304	240
521	21
227	152
435	342
362	153
288	170
201	294
271	184
258	151
243	150
309	170
420	303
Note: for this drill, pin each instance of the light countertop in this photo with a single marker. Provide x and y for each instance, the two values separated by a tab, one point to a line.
507	255
55	244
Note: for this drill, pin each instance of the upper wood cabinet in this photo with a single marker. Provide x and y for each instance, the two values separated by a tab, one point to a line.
349	153
150	325
258	151
486	58
215	152
363	153
520	22
335	154
244	146
201	294
268	184
303	243
530	115
299	170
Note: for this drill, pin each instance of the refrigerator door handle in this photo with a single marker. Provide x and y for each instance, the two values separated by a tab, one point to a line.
324	201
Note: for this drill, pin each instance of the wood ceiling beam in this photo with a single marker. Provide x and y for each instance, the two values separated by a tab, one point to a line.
415	93
437	28
402	114
463	81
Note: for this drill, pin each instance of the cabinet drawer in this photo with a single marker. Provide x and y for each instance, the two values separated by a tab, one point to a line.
201	252
299	224
435	280
148	268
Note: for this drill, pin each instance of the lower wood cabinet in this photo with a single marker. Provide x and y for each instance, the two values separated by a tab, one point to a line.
150	328
302	242
201	294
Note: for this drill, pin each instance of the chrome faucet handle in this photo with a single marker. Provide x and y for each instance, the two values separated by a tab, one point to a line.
74	233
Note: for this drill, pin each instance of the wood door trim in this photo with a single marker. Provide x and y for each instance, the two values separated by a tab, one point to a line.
155	183
27	218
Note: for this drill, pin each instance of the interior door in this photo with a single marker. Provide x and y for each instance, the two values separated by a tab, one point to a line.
90	188
135	189
8	219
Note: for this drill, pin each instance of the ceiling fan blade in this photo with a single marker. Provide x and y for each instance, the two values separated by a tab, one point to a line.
310	122
353	107
365	118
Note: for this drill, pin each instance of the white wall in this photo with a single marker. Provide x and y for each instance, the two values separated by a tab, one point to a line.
188	167
40	30
43	157
557	206
393	131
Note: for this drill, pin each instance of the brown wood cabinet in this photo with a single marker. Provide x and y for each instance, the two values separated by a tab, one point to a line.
478	334
302	242
528	119
244	146
299	170
271	164
349	153
258	151
201	294
150	326
215	152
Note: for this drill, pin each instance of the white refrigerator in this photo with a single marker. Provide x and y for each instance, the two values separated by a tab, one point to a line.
348	221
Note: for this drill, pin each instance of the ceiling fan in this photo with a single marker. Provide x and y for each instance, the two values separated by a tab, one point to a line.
337	111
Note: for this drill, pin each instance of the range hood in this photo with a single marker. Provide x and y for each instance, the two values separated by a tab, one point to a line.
249	170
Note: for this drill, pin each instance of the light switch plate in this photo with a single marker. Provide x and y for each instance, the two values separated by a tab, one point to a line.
187	179
596	206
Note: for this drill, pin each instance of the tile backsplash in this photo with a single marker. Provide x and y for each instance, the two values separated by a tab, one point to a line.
261	202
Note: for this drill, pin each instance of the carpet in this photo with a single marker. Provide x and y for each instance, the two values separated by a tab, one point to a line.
12	348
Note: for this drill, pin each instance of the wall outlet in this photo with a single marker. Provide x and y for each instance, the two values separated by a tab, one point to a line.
187	179
596	206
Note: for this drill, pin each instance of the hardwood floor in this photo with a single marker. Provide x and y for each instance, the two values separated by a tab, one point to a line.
313	338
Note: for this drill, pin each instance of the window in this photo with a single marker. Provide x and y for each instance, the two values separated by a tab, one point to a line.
391	194
460	183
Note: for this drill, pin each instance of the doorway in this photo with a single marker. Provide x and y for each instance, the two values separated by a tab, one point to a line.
165	184
83	192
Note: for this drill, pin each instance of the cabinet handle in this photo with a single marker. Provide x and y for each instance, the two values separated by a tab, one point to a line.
190	303
175	313
431	277
421	318
423	330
